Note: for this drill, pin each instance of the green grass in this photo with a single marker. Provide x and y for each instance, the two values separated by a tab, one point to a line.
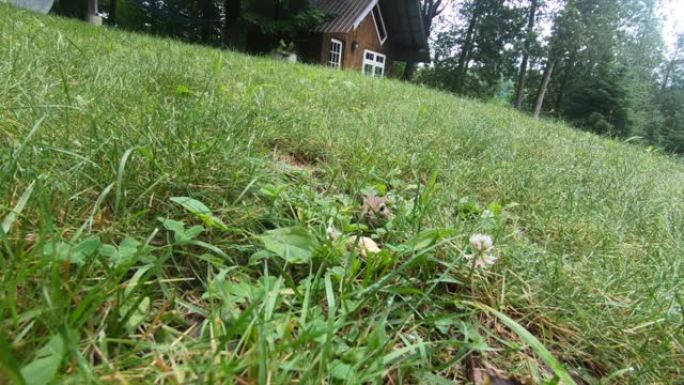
107	279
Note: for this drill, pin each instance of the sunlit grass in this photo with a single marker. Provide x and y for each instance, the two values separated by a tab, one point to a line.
109	274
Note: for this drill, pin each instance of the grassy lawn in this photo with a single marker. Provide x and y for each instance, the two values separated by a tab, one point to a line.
164	211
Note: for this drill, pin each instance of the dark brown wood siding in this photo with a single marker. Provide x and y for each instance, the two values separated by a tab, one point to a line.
310	48
367	38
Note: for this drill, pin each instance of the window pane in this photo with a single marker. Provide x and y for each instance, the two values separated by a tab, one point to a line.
380	23
380	59
368	69
335	46
335	57
370	56
378	71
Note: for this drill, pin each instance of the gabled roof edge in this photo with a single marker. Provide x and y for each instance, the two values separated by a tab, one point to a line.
364	14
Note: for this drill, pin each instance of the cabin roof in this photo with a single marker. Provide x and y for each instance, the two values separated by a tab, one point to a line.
345	14
402	20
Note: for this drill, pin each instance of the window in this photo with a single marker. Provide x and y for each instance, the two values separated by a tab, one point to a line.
379	23
373	63
335	59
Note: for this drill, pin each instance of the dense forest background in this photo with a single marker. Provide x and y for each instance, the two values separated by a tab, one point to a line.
602	65
254	26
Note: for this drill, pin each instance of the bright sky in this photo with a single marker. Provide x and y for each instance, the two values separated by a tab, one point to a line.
671	12
673	20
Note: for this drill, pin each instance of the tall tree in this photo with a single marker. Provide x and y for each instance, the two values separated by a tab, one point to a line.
267	22
231	23
111	19
666	128
529	37
582	45
675	60
209	26
602	66
476	57
71	8
429	10
472	11
548	70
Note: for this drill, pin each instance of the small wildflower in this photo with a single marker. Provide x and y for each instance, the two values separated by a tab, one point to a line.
482	261
483	247
481	243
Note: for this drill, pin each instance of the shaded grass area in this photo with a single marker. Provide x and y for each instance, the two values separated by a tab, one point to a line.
106	278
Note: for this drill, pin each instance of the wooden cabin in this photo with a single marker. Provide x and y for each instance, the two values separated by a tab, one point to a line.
368	35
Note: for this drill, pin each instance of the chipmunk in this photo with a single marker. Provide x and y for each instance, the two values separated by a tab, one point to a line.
375	211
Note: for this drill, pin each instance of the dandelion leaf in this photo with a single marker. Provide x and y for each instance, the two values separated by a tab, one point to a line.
294	244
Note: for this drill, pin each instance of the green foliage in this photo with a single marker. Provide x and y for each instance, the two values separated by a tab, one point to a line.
43	368
666	124
122	255
670	130
272	21
9	364
185	290
608	59
182	236
479	67
601	104
251	25
76	253
201	211
71	8
294	244
548	358
17	209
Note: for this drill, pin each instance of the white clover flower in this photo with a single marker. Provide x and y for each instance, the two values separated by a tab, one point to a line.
482	261
481	243
482	246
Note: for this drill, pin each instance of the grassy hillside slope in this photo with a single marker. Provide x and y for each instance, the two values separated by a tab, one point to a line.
107	278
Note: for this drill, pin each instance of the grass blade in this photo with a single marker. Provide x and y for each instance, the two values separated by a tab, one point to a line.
531	340
89	222
8	363
119	179
10	165
18	208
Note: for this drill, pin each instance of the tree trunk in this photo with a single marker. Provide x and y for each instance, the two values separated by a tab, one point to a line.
542	89
569	66
231	25
670	67
208	15
112	12
92	16
522	76
429	9
663	86
464	56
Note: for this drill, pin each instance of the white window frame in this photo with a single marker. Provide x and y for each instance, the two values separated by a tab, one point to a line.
374	62
379	23
332	63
